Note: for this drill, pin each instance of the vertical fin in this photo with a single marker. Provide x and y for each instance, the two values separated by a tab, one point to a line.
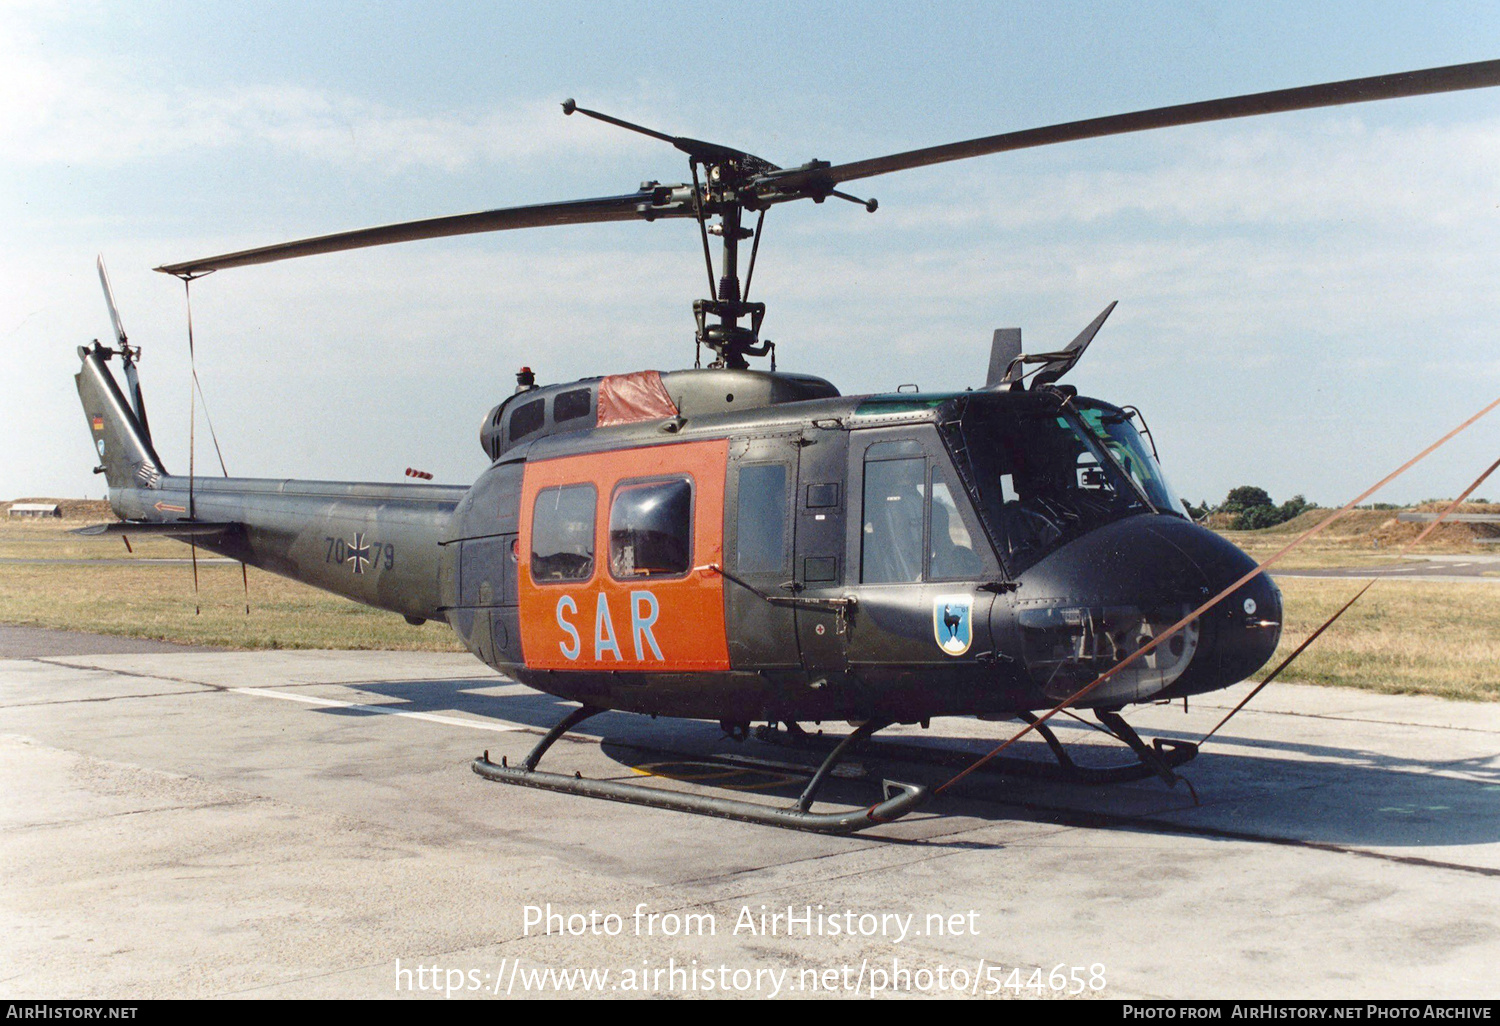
126	456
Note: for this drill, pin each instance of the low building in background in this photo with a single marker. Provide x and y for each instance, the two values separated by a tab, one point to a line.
35	509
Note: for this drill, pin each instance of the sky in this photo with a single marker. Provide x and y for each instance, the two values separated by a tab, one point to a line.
1306	300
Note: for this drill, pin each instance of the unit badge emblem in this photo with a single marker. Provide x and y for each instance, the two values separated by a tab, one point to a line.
953	623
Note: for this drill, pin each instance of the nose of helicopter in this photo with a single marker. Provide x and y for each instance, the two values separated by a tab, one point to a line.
1102	596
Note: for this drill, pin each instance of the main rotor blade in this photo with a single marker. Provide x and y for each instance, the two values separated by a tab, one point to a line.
647	204
1358	90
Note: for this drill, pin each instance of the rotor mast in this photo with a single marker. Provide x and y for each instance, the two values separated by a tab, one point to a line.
730	341
723	191
733	183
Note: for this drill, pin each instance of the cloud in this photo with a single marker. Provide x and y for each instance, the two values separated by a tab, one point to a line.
1328	169
1281	285
81	111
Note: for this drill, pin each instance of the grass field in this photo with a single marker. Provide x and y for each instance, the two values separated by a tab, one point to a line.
1411	637
146	599
1404	637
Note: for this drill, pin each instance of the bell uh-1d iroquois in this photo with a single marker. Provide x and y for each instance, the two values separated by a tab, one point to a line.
747	545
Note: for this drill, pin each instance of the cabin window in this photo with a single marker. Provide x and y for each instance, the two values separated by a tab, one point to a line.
562	533
894	511
651	529
761	518
527	418
823	496
570	405
893	448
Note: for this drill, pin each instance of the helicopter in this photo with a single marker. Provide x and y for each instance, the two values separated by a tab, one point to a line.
748	545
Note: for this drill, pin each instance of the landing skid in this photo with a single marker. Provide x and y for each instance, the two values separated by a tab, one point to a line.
1160	758
898	798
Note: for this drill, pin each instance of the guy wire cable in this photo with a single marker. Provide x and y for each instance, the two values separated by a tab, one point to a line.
193	400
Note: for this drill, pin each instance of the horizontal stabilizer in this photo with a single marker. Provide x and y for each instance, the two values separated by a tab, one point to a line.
172	529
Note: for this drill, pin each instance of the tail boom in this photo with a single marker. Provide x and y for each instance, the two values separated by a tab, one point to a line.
380	544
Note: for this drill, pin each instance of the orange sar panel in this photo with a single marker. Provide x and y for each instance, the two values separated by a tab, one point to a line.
641	623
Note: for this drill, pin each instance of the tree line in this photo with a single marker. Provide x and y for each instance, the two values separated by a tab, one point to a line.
1252	508
1248	508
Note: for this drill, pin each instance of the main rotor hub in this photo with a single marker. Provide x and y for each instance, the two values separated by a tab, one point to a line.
733	182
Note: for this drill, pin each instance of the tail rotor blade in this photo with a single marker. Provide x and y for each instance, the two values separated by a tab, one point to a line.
128	354
109	299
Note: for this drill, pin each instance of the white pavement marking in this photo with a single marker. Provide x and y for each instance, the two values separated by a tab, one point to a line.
332	703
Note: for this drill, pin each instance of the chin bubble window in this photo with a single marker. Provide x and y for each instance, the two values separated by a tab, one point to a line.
651	529
1068	647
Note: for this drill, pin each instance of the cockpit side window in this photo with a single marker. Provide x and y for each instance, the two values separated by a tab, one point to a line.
1115	430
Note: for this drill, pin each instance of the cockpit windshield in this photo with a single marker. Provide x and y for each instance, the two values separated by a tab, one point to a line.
1114	428
1041	475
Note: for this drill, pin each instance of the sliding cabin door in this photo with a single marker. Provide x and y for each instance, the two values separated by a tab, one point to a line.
759	532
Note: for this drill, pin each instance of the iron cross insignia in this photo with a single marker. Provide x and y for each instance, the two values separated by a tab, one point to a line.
359	553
